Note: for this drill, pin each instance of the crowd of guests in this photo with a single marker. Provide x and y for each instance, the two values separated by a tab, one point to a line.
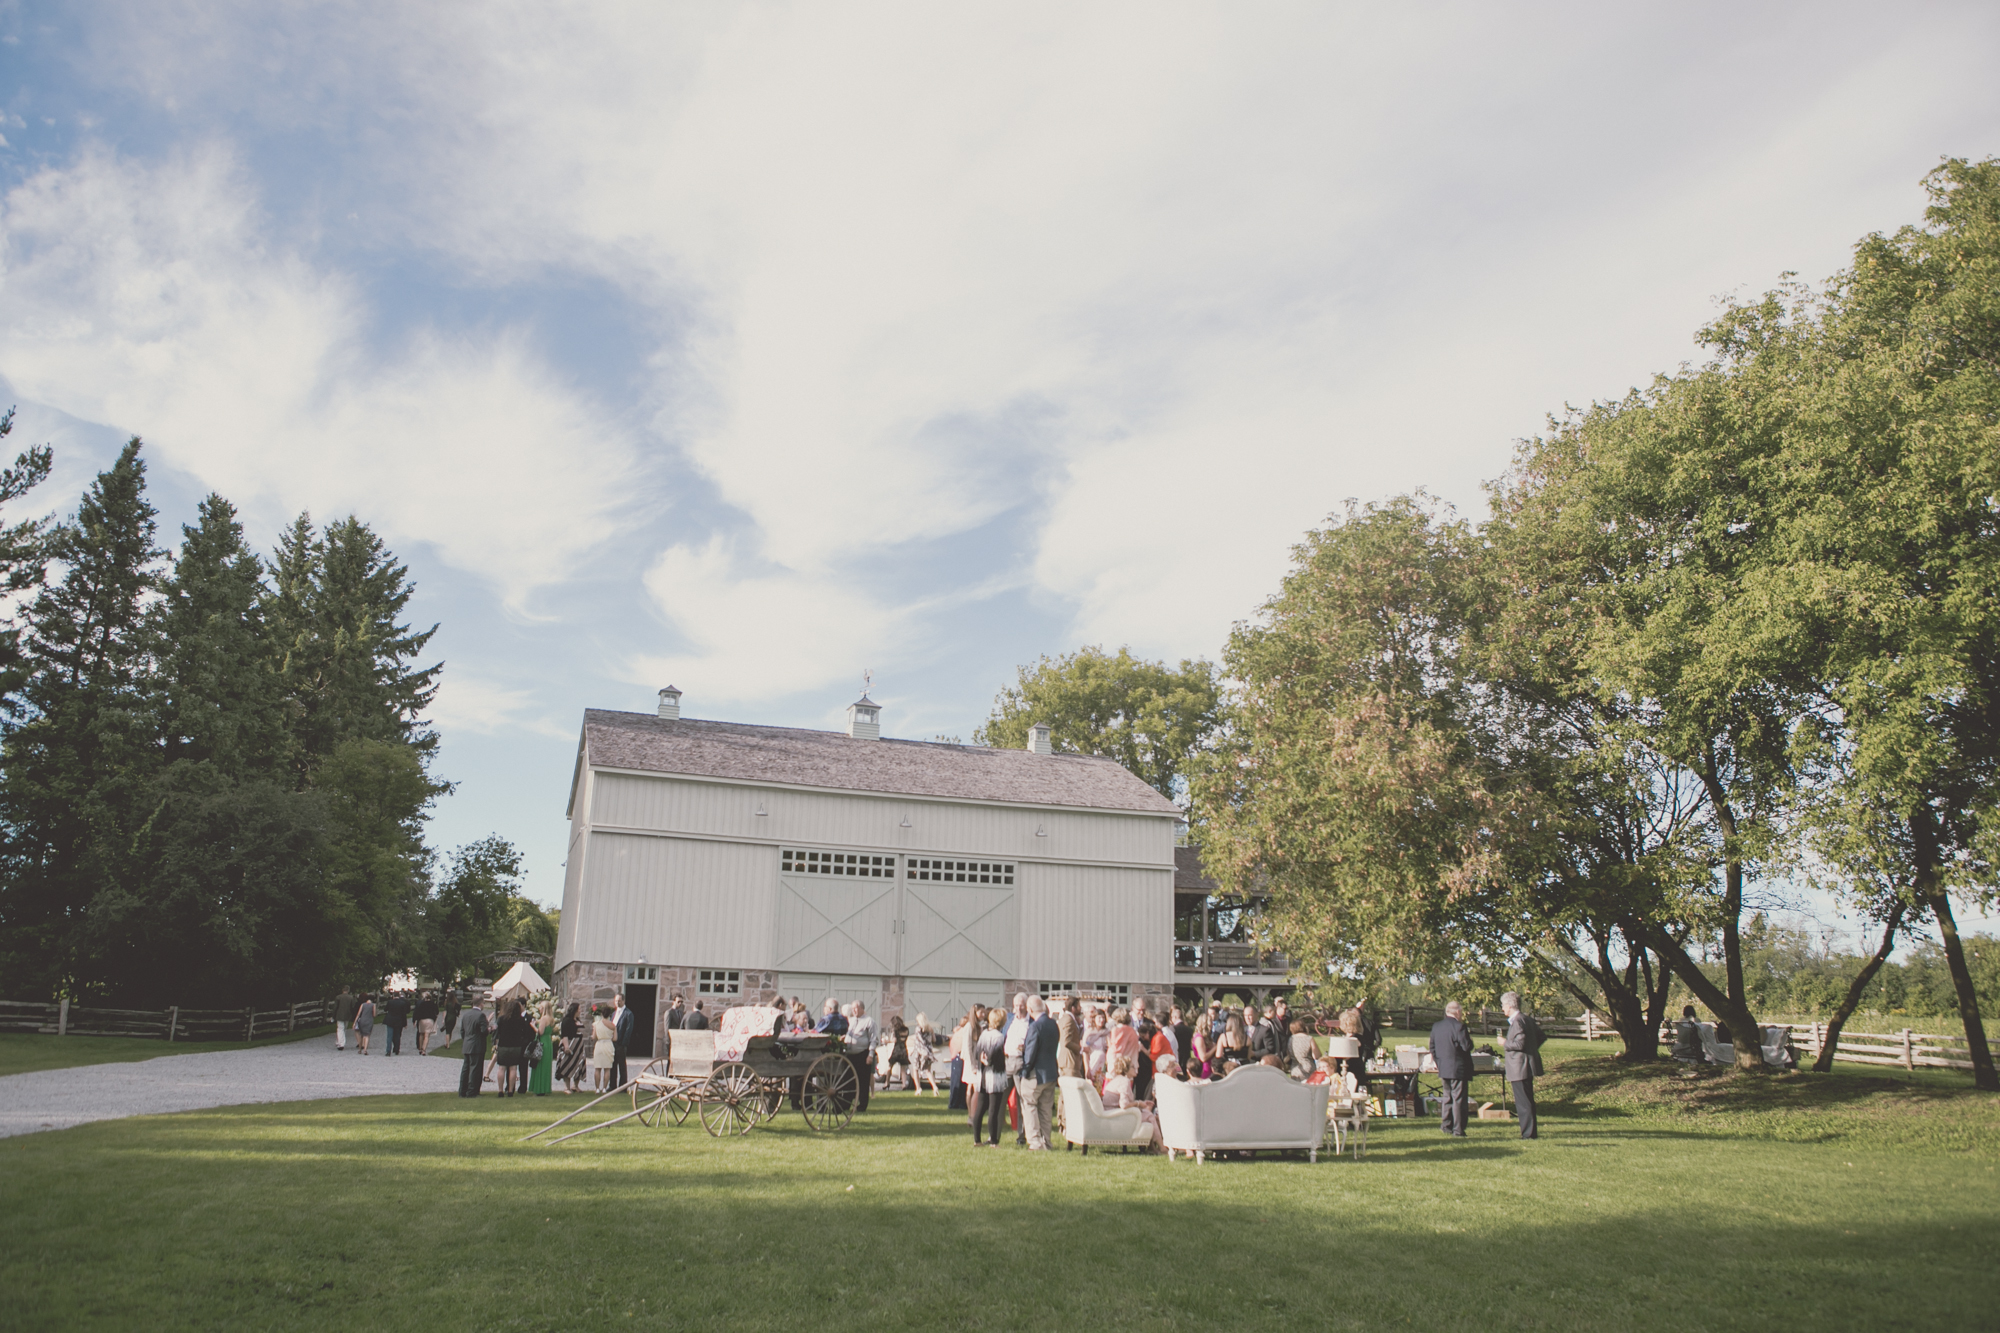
394	1011
1012	1057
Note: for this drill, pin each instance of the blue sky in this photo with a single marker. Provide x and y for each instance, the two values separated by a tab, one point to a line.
753	346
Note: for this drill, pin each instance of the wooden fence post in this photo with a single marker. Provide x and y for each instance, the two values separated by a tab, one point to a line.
291	1018
173	1021
62	1017
249	1023
1909	1055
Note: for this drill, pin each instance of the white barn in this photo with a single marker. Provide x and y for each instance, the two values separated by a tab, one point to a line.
734	864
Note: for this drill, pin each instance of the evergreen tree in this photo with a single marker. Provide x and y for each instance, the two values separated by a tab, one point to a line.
79	767
237	904
346	661
220	703
21	559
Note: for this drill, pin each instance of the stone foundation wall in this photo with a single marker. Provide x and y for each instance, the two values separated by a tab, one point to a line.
596	983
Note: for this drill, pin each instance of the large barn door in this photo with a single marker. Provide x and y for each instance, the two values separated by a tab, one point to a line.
944	999
960	929
840	922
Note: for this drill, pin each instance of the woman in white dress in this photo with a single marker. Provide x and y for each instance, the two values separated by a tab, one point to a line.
604	1055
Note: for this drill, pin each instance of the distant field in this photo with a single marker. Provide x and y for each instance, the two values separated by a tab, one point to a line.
1656	1199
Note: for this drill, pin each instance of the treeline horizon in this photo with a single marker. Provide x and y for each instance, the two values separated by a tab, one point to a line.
214	768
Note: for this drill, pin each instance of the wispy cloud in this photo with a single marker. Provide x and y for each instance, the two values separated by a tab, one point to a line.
149	296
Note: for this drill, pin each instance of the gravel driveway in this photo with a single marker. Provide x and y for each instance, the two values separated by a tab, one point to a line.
290	1072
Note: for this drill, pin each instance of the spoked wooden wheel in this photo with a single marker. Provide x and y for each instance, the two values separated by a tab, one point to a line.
681	1102
830	1092
729	1101
771	1102
646	1092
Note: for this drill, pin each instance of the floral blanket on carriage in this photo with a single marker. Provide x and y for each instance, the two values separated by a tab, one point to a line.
739	1025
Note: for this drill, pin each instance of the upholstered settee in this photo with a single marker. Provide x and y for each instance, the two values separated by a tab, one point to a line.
1256	1106
1086	1123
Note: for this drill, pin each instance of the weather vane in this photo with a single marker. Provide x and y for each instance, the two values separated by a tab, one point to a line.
867	680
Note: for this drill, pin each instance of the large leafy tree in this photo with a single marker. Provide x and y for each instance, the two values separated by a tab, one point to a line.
1352	790
1150	717
1887	532
478	910
1655	511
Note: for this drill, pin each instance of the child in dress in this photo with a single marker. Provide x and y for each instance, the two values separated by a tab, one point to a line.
1118	1093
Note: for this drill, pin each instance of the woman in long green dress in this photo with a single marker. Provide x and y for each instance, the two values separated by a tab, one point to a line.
542	1081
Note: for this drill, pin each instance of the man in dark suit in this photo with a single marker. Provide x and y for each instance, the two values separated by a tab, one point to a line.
1524	1060
1037	1081
1259	1033
1451	1048
676	1014
622	1021
696	1021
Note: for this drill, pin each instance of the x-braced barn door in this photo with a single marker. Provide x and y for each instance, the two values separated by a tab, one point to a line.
960	919
837	913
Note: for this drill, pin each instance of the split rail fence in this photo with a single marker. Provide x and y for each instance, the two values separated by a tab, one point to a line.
63	1019
1904	1050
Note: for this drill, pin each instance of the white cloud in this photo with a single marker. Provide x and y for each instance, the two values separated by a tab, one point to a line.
471	704
1193	275
149	298
1174	279
758	633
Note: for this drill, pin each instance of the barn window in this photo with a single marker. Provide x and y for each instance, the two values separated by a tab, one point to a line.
633	972
1053	989
959	872
853	865
718	982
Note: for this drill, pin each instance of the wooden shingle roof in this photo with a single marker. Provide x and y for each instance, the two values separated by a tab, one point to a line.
794	756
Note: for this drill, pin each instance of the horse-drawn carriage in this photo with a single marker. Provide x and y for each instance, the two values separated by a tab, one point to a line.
736	1077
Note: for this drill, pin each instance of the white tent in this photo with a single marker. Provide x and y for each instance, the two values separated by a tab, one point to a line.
520	977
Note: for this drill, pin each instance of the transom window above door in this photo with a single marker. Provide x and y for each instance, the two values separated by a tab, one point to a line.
959	872
855	865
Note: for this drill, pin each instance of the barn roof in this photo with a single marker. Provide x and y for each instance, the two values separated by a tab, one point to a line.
1189	877
794	756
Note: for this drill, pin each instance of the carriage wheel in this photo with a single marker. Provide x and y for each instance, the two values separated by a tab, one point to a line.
831	1089
645	1096
681	1103
771	1102
729	1100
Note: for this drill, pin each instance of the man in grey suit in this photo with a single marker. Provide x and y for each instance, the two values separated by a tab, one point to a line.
1524	1060
1451	1048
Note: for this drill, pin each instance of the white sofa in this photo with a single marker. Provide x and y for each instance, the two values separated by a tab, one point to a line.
1776	1046
1087	1123
1256	1106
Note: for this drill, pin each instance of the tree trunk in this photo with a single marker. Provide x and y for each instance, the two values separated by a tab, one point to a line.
1748	1039
1621	999
1657	990
1849	1002
1743	1027
1983	1073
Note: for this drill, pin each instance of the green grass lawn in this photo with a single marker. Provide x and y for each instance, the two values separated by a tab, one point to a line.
25	1052
1653	1200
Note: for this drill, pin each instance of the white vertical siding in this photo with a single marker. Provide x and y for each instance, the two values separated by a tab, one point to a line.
1096	923
573	859
836	819
677	901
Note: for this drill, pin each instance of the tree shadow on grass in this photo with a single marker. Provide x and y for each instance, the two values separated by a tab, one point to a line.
429	1216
